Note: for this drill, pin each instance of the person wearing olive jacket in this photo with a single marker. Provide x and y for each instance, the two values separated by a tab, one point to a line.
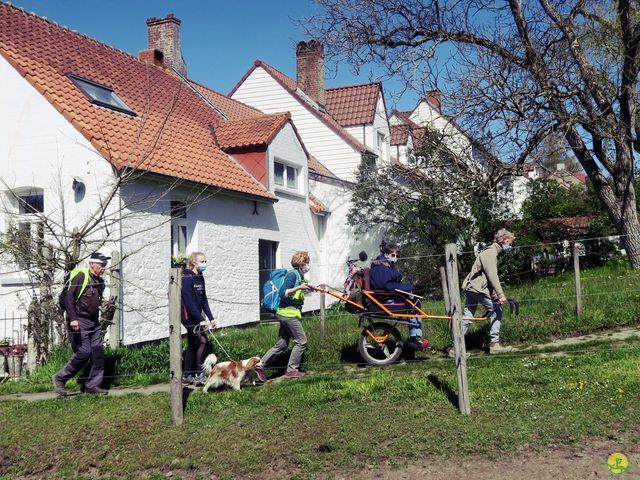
482	287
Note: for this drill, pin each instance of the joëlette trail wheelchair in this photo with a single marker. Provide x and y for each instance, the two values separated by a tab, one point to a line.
379	312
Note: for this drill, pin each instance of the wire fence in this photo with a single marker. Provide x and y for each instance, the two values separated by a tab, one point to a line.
611	290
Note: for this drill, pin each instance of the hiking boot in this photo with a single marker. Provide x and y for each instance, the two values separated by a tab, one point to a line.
294	374
200	380
418	343
497	347
451	353
58	387
188	380
96	391
260	373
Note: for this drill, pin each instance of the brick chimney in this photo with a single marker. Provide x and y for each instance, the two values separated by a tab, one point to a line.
310	70
433	97
164	35
152	56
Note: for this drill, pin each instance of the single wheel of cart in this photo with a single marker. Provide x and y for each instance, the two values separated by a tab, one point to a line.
380	344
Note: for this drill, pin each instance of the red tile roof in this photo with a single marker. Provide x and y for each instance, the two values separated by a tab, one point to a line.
171	134
250	132
569	225
399	134
353	105
319	168
317	206
230	108
291	86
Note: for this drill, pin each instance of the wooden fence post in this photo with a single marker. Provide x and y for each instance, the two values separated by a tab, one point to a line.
114	290
323	327
455	311
576	275
175	346
445	290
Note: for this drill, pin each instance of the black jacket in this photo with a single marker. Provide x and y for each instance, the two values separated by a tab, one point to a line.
384	276
87	307
194	299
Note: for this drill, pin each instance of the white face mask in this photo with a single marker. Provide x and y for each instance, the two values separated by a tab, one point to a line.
305	268
391	258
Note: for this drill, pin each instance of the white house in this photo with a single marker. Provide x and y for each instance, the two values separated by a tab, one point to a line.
341	127
408	129
203	172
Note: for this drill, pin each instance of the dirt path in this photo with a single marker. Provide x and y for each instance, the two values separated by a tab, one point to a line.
576	462
617	335
608	335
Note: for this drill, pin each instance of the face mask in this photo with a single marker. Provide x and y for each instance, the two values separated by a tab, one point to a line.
202	267
392	258
305	268
506	248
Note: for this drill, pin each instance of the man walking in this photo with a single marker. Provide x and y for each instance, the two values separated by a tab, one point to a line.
82	305
482	287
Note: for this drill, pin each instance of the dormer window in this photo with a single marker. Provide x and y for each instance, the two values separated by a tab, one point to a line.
286	176
101	95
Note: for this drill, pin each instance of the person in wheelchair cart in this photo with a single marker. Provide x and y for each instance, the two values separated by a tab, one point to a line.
384	276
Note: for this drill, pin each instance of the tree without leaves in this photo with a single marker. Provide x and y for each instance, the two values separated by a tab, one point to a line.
515	74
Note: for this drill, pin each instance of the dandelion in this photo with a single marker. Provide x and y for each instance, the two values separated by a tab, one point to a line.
581	385
620	390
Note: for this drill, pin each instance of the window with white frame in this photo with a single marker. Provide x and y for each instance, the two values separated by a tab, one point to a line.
179	231
286	176
29	234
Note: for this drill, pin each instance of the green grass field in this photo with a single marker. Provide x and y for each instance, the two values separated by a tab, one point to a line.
547	310
333	420
343	416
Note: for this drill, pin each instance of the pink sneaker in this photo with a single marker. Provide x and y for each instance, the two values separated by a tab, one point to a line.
294	374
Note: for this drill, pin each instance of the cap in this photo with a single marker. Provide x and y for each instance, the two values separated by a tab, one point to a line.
98	257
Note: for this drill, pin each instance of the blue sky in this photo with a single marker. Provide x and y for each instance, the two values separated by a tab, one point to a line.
220	38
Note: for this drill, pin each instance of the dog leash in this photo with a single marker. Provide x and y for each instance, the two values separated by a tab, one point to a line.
209	332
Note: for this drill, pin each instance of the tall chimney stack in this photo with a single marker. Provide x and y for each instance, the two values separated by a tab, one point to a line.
164	35
433	97
310	70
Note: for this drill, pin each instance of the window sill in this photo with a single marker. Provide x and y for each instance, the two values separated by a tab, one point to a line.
16	282
292	193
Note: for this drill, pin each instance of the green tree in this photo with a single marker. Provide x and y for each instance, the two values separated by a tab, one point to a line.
515	73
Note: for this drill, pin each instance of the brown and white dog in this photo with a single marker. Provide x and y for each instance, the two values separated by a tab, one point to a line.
227	373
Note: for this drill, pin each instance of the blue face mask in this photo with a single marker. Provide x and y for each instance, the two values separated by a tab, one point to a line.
506	248
202	267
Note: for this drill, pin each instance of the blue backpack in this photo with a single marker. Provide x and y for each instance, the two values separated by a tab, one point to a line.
271	288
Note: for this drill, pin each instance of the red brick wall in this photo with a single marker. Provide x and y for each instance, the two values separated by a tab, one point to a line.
310	70
164	35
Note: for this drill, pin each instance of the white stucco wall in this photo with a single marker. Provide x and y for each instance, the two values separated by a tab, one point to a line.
261	91
340	240
39	148
228	231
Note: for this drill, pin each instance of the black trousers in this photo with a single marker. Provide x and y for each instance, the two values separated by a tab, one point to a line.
197	349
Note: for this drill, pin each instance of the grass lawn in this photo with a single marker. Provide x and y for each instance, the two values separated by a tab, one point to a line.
344	416
547	310
333	420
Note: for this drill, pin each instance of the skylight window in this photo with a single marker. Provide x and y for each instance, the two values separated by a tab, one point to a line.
101	95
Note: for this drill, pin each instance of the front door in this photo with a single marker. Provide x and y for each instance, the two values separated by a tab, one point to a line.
267	263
